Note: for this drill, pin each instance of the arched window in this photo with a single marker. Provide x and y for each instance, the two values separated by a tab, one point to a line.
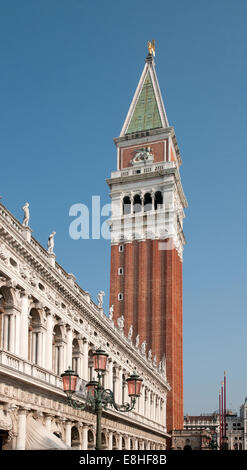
137	204
57	350
126	205
75	356
147	202
34	337
158	200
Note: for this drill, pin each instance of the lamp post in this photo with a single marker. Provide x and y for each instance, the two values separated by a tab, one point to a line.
98	397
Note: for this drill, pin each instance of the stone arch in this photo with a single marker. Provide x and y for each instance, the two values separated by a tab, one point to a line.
90	439
126	205
158	200
187	447
137	204
114	442
75	437
103	440
147	202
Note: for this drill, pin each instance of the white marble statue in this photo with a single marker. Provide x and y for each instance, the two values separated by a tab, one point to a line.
51	242
100	298
111	311
143	347
26	215
150	355
137	341
120	323
130	333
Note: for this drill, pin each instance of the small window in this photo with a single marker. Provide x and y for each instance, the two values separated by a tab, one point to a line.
120	296
13	262
120	271
41	287
121	248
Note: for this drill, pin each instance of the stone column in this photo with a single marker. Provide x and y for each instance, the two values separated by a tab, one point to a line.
135	444
24	326
153	198
69	348
12	333
68	433
39	348
48	419
61	358
17	332
34	341
110	374
84	372
148	414
84	444
21	436
127	441
49	339
142	398
116	384
120	386
125	391
6	332
132	203
110	440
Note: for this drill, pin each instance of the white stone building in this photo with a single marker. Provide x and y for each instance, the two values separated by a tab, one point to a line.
47	323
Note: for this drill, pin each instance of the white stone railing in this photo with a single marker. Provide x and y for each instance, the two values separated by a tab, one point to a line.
142	169
25	367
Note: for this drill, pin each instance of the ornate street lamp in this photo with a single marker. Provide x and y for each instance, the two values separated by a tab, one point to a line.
97	397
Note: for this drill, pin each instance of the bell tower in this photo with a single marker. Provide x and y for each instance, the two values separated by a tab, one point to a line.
147	236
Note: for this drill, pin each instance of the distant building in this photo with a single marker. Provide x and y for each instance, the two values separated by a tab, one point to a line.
201	432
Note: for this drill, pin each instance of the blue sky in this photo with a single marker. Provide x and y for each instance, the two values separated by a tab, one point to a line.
69	69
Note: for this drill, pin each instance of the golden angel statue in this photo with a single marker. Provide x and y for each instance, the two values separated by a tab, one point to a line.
151	47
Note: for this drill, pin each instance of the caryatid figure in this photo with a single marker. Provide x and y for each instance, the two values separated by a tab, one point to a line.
51	242
26	215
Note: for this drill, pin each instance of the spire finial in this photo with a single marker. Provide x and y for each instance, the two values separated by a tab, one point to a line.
151	47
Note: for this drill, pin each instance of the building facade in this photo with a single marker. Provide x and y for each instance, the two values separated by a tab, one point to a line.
47	323
200	430
147	236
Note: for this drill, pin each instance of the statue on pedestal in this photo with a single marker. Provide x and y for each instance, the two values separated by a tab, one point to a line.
111	311
26	215
100	298
51	242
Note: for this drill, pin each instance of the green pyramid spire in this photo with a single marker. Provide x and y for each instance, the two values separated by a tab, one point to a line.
146	114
